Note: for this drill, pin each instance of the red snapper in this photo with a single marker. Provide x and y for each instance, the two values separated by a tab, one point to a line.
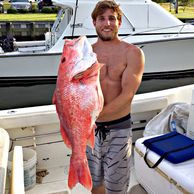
79	100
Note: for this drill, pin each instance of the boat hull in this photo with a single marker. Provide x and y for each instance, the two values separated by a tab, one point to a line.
29	79
161	56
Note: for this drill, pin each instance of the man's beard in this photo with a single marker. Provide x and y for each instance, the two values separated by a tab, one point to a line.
107	38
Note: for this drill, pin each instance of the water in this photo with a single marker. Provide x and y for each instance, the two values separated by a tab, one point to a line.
37	95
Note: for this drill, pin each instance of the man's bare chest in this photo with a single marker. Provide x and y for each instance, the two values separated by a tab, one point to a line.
112	69
114	63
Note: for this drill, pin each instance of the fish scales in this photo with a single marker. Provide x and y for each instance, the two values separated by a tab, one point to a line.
78	99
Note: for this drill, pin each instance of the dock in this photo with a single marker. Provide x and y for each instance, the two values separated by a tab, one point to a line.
25	30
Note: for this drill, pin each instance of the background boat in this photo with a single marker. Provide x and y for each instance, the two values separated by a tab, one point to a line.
28	70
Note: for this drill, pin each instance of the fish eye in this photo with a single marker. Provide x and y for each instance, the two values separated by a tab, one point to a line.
63	60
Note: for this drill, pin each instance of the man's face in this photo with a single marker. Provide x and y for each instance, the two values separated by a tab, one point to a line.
107	25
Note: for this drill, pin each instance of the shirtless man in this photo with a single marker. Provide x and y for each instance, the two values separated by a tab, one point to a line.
120	78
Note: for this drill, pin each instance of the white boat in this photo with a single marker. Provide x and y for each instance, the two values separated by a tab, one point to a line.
38	128
167	42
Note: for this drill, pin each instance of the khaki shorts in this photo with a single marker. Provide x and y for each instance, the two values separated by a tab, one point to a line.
109	162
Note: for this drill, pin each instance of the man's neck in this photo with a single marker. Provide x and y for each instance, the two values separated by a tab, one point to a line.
109	42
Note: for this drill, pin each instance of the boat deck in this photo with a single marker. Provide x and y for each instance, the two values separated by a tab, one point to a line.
55	182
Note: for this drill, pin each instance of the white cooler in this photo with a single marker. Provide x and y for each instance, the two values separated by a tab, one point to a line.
166	178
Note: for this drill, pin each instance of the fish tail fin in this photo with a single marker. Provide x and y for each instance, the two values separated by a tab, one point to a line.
79	173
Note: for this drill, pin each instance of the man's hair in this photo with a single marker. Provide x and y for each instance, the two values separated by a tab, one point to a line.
103	5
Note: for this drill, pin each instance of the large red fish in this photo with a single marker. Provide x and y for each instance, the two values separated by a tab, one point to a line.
79	100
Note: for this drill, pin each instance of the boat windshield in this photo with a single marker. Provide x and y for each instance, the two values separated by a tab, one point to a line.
63	19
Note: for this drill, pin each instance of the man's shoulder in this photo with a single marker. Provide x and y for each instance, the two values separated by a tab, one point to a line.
129	45
131	48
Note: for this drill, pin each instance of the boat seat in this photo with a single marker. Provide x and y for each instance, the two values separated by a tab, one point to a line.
32	49
29	43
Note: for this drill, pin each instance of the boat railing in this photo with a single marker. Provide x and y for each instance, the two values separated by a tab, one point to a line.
181	26
30	46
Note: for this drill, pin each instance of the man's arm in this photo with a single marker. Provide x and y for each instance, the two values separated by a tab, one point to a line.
130	83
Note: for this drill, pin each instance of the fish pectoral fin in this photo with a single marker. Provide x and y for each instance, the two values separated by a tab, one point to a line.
91	70
79	173
78	76
65	137
91	138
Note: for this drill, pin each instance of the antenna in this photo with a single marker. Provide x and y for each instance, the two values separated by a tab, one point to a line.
76	6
